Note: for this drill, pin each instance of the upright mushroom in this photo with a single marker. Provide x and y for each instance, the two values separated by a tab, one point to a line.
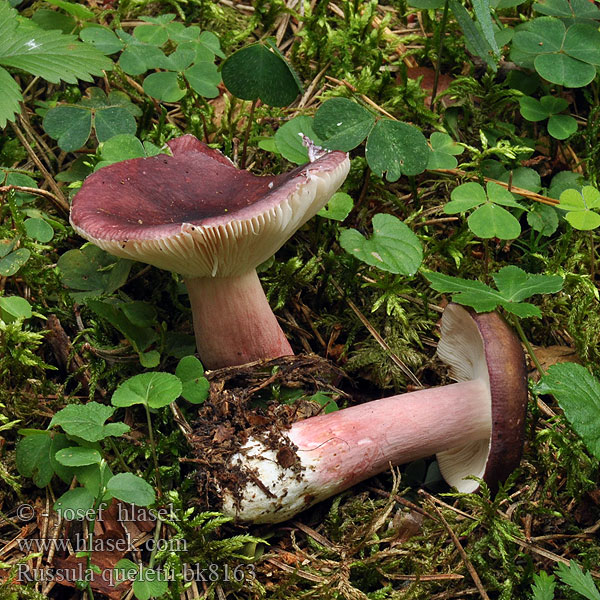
196	214
475	427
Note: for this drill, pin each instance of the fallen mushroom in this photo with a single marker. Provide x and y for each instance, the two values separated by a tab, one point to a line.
475	427
196	214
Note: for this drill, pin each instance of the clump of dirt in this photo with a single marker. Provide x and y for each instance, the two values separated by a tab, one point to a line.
237	410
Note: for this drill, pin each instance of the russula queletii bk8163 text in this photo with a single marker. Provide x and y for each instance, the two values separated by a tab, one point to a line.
198	215
474	426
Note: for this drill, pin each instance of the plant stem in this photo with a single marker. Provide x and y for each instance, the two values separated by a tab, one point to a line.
153	447
534	358
592	257
438	62
247	134
118	454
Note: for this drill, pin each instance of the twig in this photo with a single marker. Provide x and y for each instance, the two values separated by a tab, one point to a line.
395	358
60	203
461	551
520	191
64	205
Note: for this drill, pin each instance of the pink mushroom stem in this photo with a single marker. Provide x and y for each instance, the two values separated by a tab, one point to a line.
233	321
342	448
361	441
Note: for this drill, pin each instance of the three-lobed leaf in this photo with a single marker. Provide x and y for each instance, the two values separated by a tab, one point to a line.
87	421
396	148
513	286
343	124
579	206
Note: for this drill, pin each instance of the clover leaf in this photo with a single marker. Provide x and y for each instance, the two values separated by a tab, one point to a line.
563	55
71	124
393	246
489	219
444	150
513	286
343	124
580	205
260	71
559	126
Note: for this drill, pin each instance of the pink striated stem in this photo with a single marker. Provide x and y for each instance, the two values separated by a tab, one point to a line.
233	321
358	442
342	448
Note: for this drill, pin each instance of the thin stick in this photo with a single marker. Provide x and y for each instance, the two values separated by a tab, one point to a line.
438	62
529	347
38	163
247	134
461	551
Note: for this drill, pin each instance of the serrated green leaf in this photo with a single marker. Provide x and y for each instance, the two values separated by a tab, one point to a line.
85	421
577	392
575	578
150	389
396	148
9	98
342	124
51	55
77	10
513	285
543	586
516	285
127	487
393	246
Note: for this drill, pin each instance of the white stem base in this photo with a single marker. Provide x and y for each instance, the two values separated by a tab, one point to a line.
342	448
233	321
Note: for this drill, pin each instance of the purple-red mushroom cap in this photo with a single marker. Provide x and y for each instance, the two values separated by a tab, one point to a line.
195	213
482	346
